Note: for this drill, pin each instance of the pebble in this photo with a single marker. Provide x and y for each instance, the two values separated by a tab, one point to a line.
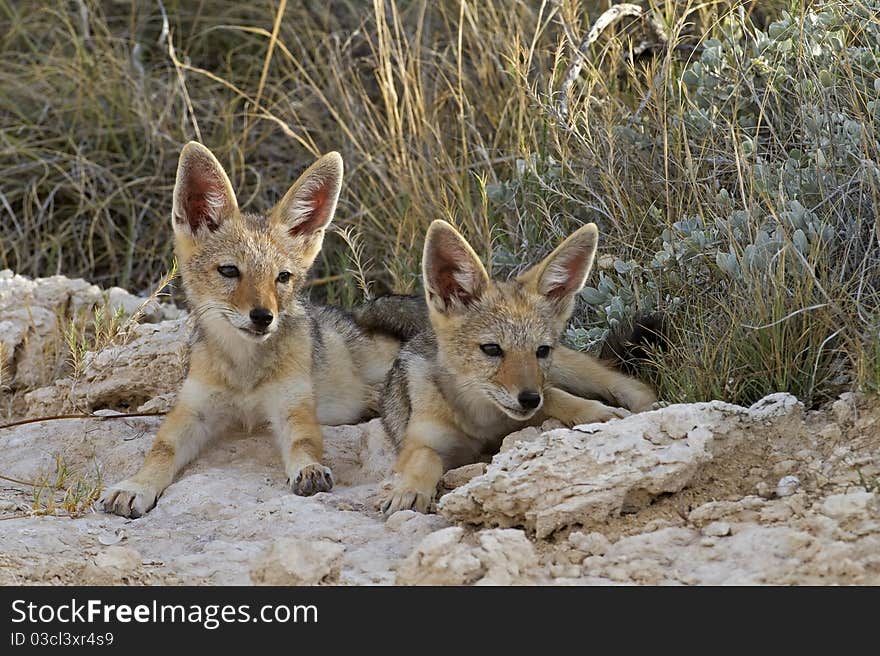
842	408
787	486
592	544
717	530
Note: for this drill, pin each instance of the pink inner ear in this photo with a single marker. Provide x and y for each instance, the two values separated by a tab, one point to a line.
449	266
204	200
447	286
313	210
573	267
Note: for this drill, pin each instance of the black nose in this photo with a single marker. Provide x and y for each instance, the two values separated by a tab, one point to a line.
261	317
529	399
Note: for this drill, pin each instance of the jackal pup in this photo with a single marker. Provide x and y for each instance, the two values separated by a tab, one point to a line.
260	354
491	363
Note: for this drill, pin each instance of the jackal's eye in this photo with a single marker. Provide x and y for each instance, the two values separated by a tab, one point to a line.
228	271
492	350
284	277
543	351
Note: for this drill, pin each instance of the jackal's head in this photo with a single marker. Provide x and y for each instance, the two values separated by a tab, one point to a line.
242	272
497	338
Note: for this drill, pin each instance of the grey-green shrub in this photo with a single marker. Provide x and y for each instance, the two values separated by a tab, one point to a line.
782	126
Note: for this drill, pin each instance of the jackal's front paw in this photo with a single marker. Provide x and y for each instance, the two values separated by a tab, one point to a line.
403	498
636	396
129	499
594	411
310	480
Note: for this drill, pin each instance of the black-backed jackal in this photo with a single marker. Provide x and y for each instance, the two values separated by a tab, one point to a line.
489	362
260	354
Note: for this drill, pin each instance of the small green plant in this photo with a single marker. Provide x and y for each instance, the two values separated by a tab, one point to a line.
67	489
77	345
360	262
90	332
4	382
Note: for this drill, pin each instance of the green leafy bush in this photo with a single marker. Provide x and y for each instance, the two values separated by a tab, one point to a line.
771	271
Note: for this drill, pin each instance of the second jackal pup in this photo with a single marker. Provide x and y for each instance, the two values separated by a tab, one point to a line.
260	354
491	363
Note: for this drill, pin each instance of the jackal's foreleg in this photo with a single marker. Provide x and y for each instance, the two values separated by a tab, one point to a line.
302	445
191	423
583	375
420	464
573	410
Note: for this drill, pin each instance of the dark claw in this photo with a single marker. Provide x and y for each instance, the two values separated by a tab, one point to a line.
311	481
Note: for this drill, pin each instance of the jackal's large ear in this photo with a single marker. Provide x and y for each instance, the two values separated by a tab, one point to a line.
562	274
308	206
203	197
453	274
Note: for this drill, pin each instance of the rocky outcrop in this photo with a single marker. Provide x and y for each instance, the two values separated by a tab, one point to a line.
230	518
292	561
149	364
705	493
34	313
748	542
451	556
31	312
583	477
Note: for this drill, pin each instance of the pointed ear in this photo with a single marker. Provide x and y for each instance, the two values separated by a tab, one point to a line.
203	197
308	206
563	273
453	274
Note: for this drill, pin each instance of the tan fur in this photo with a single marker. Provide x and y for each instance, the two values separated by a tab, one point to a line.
584	375
448	402
244	373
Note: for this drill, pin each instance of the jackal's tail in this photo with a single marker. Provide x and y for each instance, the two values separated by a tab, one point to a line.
397	315
626	348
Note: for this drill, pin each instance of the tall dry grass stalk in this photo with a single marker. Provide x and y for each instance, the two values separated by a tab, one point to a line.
502	117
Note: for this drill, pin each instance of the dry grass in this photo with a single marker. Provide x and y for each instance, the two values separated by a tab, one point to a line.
452	109
66	491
